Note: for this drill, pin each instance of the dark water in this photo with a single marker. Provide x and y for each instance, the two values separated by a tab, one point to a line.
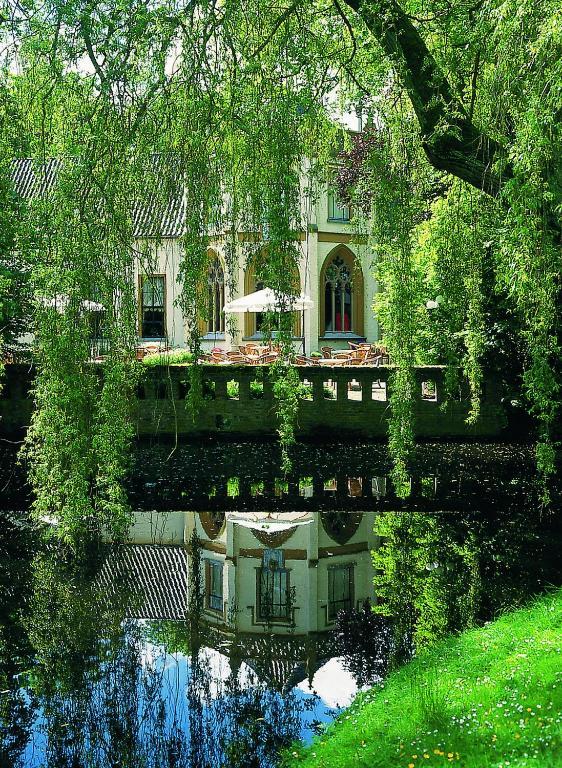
220	636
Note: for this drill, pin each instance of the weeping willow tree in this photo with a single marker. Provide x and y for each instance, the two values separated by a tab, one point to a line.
482	82
223	105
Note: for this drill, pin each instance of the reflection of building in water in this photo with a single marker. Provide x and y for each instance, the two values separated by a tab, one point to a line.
272	583
286	571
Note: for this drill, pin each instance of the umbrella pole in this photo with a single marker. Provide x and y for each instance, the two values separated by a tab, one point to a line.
303	336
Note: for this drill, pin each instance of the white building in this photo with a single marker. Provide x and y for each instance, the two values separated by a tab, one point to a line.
334	269
287	572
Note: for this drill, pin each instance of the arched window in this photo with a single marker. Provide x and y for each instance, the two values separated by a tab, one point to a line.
341	526
213	523
338	296
341	295
215	297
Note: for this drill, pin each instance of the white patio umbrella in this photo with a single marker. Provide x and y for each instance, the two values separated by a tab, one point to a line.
272	523
268	300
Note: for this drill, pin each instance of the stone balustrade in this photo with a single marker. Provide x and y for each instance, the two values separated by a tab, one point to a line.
336	402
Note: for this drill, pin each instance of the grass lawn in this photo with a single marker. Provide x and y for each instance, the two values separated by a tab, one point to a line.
490	697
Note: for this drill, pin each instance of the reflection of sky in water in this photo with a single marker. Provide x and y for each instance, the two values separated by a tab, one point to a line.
207	700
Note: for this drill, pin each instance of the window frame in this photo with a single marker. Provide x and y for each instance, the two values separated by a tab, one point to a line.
357	294
332	611
285	605
212	290
142	279
210	566
334	205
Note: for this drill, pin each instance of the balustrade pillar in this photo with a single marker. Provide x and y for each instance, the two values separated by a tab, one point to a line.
244	387
317	387
341	383
220	388
267	387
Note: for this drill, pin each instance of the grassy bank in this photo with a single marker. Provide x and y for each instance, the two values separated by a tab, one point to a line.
490	697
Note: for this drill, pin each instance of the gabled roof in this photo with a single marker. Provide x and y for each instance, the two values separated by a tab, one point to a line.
155	576
161	216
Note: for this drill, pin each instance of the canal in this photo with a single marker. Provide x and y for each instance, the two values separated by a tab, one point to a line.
238	617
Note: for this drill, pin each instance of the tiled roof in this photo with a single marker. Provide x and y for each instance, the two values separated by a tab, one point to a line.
155	575
162	216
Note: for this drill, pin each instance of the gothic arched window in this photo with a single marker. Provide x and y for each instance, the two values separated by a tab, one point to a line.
341	294
215	297
338	296
341	526
213	523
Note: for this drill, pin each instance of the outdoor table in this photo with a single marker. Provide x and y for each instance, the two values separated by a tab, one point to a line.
331	361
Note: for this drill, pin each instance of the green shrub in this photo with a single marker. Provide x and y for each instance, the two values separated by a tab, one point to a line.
233	390
256	390
177	357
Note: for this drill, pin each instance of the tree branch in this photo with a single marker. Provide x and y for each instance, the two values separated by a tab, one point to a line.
287	13
473	84
451	141
85	29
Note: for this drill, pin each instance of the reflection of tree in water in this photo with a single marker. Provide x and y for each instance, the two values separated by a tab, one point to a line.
16	710
364	640
99	691
236	719
107	691
427	577
441	573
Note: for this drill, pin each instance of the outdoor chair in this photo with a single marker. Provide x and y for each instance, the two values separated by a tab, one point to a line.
248	349
155	349
140	353
342	355
266	359
236	357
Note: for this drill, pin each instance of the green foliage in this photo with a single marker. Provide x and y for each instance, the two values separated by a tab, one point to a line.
256	389
233	389
223	109
67	611
427	578
233	487
397	206
287	390
174	357
173	636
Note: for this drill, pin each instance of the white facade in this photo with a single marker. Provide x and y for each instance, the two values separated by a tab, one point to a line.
322	564
339	315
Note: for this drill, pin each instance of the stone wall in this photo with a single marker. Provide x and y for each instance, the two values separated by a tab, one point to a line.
338	402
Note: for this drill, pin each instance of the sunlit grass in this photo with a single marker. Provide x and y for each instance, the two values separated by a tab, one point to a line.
491	697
